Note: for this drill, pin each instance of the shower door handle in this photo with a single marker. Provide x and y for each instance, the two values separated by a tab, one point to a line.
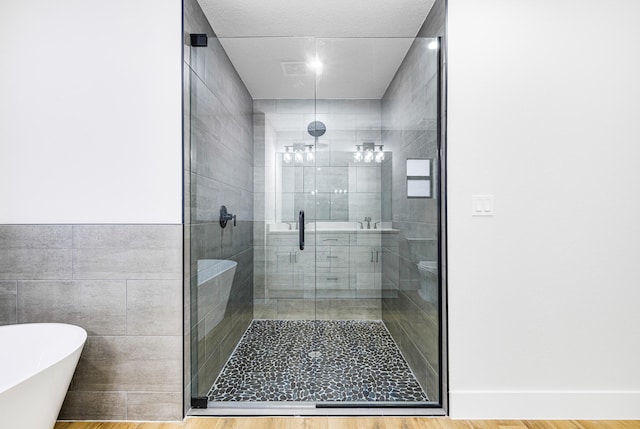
301	228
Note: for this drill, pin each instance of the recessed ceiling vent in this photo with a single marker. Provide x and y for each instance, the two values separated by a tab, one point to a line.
294	68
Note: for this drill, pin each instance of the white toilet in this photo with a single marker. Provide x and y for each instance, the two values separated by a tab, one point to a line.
428	281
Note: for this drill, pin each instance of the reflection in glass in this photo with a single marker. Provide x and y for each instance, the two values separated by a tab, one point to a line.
365	279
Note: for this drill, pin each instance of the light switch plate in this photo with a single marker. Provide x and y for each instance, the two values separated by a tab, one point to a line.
482	205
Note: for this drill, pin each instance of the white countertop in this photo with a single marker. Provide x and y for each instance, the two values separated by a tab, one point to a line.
330	227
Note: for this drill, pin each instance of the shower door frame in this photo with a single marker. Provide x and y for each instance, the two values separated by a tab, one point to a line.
372	409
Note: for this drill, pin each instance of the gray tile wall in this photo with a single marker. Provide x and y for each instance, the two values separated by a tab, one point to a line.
219	162
410	130
122	283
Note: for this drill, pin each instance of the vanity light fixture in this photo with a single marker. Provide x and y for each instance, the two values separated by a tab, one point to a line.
298	152
357	155
287	156
368	152
368	156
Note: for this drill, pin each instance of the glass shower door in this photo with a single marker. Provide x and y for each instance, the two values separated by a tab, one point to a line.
286	201
337	257
378	302
290	286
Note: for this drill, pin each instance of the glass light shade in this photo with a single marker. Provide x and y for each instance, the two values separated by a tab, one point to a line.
286	157
368	156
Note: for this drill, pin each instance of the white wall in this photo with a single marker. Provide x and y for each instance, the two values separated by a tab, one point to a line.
544	113
90	111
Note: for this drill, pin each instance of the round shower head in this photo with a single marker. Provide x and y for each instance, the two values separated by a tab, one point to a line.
316	128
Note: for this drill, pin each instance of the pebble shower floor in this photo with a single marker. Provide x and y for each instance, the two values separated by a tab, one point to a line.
316	360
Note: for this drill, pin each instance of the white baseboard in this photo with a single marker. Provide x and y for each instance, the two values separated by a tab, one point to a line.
548	405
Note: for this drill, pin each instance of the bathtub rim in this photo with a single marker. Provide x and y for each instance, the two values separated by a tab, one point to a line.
77	342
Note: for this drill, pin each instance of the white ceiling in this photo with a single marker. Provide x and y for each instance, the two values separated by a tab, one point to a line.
361	43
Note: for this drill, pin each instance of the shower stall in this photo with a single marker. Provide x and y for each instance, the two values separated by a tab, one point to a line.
313	224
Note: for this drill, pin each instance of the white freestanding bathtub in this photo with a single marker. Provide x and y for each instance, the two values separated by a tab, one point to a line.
37	361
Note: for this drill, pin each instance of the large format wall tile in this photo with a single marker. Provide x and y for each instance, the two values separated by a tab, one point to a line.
208	195
127	252
96	305
35	252
8	292
94	406
127	263
126	236
35	236
154	406
154	307
152	364
134	325
35	263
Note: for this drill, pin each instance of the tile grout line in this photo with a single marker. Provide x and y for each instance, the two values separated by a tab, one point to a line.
73	228
126	307
16	316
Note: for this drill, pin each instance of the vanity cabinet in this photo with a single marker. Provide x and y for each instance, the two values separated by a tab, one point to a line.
334	264
366	263
337	276
289	271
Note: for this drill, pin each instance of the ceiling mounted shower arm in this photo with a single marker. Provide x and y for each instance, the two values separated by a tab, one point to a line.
225	216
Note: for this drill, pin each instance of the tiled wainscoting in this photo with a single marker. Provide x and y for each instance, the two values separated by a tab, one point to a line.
123	284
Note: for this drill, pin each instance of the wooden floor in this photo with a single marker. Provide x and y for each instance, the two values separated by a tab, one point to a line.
353	423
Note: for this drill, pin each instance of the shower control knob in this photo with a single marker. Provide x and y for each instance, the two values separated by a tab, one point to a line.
225	217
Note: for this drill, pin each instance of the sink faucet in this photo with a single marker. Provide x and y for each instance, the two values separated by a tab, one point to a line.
375	225
288	223
361	226
368	220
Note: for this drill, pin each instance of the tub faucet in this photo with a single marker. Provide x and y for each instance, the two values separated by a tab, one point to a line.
368	220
